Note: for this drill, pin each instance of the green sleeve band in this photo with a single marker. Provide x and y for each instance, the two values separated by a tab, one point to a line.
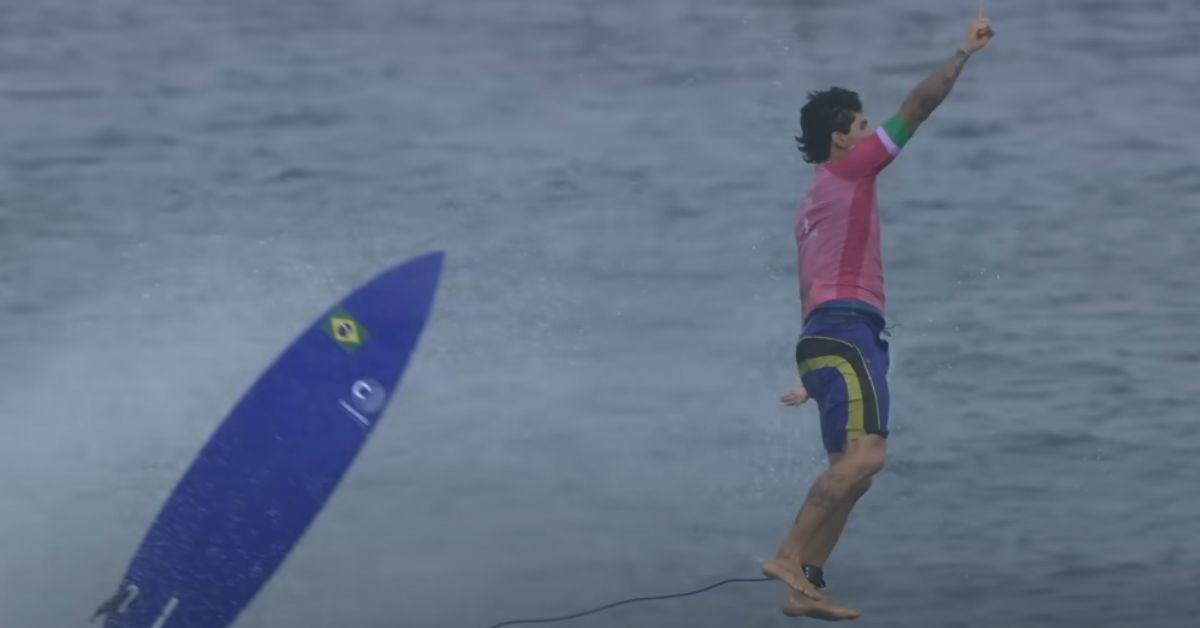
897	131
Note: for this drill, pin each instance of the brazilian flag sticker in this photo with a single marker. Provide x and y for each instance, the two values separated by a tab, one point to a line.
346	330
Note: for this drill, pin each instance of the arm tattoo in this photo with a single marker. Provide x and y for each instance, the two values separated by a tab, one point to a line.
930	93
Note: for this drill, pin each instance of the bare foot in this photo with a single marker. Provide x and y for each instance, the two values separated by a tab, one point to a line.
826	608
775	568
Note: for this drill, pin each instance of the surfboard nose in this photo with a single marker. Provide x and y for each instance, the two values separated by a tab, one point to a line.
422	272
437	258
410	288
421	277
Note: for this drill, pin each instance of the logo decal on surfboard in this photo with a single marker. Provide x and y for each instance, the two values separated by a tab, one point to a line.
346	330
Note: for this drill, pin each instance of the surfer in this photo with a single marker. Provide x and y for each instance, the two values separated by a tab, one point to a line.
842	355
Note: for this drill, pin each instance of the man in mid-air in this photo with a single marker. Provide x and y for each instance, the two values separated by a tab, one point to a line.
842	356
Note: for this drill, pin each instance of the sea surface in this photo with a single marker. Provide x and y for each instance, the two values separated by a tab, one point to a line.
593	411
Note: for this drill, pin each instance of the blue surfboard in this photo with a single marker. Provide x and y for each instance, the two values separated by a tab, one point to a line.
272	463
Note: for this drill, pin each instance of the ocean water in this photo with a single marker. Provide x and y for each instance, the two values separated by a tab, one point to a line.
592	414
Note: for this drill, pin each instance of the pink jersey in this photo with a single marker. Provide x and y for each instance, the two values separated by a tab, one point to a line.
837	227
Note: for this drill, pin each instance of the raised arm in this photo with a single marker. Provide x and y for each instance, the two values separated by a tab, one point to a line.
930	93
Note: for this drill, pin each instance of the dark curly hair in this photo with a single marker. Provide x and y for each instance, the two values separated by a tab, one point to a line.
825	112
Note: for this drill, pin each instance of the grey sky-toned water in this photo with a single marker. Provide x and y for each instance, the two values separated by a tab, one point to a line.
592	412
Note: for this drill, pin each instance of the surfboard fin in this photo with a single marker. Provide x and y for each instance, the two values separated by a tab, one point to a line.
117	603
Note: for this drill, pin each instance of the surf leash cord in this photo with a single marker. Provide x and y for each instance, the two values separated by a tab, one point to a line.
632	600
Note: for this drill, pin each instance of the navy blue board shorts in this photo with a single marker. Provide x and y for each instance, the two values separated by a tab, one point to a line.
843	361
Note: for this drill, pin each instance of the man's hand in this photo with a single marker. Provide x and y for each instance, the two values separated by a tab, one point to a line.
795	396
930	93
980	33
